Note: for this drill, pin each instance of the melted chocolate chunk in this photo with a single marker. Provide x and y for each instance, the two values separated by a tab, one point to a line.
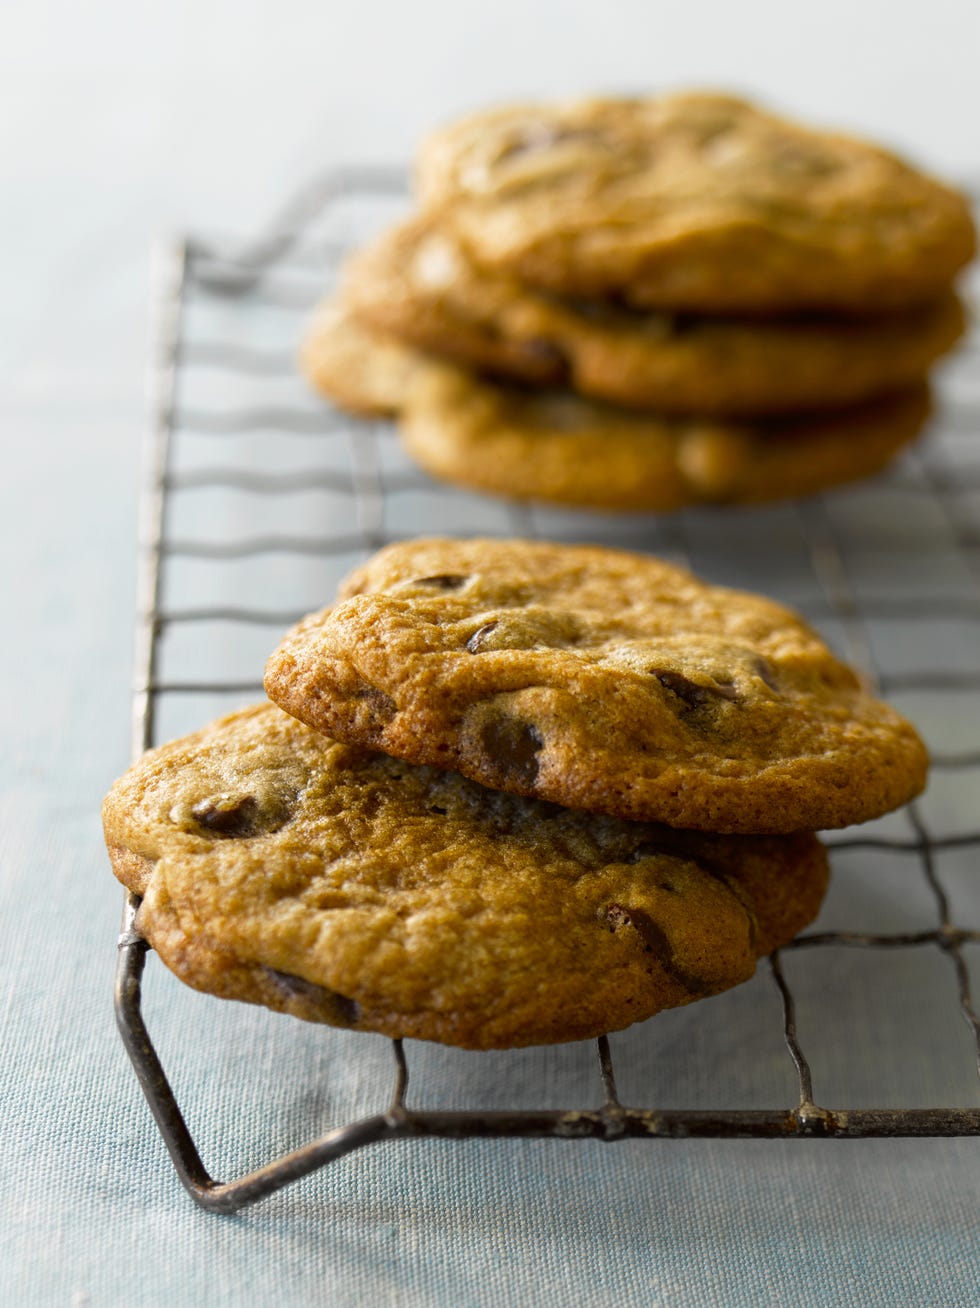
512	749
693	695
656	942
343	1011
476	640
229	815
382	706
764	672
444	581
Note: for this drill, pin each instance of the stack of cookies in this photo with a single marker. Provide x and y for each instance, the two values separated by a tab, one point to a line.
650	303
507	793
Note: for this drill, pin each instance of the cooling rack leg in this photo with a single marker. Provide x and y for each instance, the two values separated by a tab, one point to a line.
152	1078
218	1196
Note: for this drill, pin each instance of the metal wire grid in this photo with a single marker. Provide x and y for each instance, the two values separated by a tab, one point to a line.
285	273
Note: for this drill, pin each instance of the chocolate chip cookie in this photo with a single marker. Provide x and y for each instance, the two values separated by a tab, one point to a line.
557	447
697	202
601	680
281	868
415	284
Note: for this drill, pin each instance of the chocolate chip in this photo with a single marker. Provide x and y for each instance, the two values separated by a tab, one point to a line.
476	640
342	1010
764	672
693	695
437	808
511	747
229	815
443	581
656	942
382	706
529	628
654	938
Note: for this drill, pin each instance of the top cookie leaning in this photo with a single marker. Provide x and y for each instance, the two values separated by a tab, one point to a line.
600	680
692	202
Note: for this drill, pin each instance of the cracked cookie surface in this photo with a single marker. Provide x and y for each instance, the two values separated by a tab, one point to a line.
279	867
601	680
415	284
693	201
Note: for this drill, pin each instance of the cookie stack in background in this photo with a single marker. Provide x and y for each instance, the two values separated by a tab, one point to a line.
650	303
508	793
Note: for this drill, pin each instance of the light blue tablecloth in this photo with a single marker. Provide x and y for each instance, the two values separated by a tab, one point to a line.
91	1213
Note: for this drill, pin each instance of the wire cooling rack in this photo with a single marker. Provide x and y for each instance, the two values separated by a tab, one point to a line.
258	498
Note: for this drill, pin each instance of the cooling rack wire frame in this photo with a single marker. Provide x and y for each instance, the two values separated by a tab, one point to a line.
282	275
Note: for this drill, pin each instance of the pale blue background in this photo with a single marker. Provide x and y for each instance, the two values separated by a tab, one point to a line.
125	120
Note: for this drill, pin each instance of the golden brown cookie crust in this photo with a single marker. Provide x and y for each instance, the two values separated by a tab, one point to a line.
415	284
281	868
556	447
359	370
601	680
697	202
